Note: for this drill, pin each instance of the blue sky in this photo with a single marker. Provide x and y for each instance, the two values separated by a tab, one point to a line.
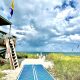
44	25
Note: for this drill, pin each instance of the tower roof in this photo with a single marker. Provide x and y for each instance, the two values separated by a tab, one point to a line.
4	21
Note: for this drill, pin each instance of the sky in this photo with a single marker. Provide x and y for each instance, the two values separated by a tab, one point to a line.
44	25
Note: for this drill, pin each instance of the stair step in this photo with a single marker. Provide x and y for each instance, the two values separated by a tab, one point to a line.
10	43
15	63
13	54
16	66
12	51
11	46
14	60
14	57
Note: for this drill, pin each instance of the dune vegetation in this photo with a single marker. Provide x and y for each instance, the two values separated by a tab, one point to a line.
65	67
4	65
21	55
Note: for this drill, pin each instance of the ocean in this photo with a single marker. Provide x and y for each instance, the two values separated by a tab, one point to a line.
65	53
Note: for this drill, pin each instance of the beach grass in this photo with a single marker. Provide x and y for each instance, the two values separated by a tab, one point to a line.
1	75
4	66
65	67
26	55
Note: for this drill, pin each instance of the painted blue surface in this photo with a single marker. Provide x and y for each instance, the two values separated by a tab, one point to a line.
27	73
34	72
42	73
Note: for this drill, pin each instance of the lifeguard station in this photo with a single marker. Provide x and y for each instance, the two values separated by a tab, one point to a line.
7	44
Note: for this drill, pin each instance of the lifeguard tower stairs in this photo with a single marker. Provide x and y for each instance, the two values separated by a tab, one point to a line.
7	44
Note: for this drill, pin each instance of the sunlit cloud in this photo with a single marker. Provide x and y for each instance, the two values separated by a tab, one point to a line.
44	25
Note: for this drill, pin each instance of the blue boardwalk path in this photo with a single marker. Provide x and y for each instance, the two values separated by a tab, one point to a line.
34	72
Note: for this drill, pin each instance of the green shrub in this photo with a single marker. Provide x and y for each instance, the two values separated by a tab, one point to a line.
21	55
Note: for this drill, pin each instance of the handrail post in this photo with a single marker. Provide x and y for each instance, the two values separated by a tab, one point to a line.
10	31
10	57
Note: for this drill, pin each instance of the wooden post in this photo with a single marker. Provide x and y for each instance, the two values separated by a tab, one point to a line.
10	56
10	31
9	53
